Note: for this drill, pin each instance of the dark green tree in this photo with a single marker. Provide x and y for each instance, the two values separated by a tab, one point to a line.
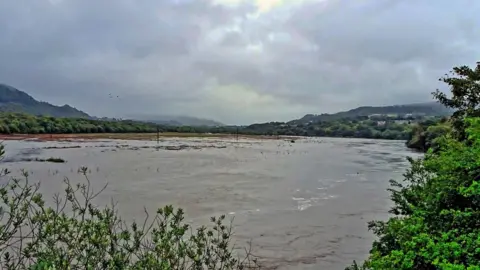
464	83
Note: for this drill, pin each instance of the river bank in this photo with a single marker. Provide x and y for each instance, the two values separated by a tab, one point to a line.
132	136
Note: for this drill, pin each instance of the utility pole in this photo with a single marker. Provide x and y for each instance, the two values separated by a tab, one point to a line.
158	135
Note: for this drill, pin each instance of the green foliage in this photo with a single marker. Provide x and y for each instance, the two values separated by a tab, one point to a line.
436	212
30	124
464	83
76	234
352	128
425	135
360	127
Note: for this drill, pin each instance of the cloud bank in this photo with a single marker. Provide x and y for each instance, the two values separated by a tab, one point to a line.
235	61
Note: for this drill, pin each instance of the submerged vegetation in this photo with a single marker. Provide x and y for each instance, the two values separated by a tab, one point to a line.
55	160
436	212
51	159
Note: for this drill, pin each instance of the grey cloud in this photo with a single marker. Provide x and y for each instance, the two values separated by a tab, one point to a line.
81	50
160	56
372	52
406	31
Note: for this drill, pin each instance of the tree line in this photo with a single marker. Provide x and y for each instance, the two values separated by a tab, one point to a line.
357	127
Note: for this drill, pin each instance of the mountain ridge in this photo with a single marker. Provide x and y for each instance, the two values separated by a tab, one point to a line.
18	101
15	100
422	108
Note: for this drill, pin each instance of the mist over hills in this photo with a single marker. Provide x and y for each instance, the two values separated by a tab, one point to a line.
14	100
176	120
17	101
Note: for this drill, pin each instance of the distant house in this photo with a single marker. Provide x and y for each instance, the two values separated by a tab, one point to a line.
376	115
401	122
381	123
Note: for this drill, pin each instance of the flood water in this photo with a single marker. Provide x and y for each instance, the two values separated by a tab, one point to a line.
305	205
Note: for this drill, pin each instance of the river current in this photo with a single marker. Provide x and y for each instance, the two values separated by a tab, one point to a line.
303	205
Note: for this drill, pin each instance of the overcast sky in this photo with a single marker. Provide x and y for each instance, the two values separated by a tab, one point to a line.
236	61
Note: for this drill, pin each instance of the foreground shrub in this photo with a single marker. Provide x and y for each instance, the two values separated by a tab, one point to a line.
76	234
437	211
436	222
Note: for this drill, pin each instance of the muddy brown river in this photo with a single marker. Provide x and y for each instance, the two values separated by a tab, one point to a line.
305	205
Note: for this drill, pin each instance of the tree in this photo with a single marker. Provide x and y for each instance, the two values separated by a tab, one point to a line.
464	85
434	133
13	128
436	222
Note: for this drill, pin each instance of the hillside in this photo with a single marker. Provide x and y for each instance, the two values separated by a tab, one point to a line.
425	109
14	100
176	120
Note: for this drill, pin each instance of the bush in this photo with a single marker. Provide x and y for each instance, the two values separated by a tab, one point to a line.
425	136
436	223
76	234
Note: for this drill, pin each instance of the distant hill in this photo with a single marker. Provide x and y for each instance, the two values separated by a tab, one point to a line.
426	109
14	100
176	120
